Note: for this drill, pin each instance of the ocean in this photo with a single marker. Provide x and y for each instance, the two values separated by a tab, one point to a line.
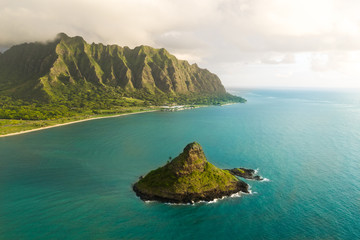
75	181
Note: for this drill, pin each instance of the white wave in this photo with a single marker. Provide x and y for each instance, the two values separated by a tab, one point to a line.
262	179
213	201
238	194
234	195
256	171
216	199
250	191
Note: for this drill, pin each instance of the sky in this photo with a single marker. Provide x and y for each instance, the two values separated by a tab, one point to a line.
247	43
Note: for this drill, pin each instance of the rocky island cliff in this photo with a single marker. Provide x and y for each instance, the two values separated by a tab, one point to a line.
188	178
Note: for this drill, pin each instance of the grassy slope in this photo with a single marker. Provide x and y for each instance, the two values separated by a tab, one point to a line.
164	179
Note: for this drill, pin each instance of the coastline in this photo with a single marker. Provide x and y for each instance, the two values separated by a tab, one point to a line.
92	118
73	122
226	104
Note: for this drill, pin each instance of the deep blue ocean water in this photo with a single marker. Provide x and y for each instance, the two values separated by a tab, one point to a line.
74	182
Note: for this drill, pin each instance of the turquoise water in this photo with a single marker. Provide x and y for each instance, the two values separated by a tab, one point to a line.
74	182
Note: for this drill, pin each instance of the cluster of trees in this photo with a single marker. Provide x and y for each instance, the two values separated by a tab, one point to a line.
19	109
207	99
93	102
159	99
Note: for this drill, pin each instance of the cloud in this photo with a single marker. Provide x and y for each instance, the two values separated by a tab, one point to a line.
277	58
216	32
246	25
347	63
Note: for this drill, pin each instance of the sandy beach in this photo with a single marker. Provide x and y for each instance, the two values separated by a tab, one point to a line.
68	123
226	104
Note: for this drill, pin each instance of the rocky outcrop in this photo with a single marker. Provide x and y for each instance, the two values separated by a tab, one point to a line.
188	178
245	173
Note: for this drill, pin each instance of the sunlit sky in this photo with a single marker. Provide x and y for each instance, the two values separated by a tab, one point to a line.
247	43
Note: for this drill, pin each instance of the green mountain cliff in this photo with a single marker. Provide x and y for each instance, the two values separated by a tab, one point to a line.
188	178
68	77
69	65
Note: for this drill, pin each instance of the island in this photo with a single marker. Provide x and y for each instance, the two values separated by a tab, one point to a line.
188	178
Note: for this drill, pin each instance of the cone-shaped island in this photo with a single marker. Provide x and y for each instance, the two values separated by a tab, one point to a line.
188	178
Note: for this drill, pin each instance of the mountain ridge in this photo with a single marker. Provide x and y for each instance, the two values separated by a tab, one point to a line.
57	69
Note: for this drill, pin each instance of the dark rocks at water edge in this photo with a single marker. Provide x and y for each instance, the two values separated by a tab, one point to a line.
188	178
245	173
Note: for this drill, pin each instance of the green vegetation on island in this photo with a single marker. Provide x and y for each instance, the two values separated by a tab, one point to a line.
188	178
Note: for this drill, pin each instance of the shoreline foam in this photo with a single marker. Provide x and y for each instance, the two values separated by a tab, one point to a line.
215	200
